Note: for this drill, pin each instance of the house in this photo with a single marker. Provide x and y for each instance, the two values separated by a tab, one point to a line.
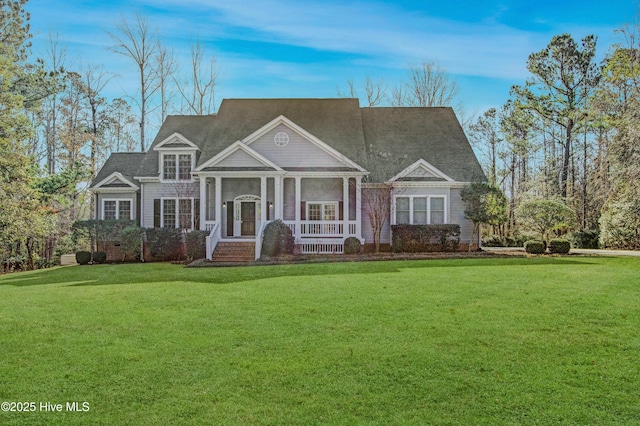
309	162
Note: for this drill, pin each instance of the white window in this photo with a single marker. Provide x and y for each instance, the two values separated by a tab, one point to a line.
420	210
177	213
176	166
322	211
117	209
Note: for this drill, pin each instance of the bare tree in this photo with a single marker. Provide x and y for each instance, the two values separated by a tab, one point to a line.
138	42
55	58
428	85
375	91
95	79
198	88
167	67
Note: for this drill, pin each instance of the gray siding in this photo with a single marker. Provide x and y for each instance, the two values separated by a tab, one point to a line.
456	215
239	159
154	191
123	196
299	152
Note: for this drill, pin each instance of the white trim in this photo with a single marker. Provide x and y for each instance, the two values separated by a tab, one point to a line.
176	137
115	176
428	197
238	145
147	179
336	204
176	154
117	200
302	132
421	163
177	219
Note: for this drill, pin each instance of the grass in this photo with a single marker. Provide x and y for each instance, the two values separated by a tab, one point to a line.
465	341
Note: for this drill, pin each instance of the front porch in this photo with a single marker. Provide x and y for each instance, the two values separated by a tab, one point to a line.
321	210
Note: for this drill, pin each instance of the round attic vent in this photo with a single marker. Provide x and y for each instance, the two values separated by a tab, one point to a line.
281	139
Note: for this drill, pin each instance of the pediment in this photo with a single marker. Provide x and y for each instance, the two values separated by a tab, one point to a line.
116	181
176	142
421	170
238	156
288	145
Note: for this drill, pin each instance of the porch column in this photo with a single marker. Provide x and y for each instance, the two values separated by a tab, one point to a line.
218	202
277	197
203	202
297	206
345	206
359	207
263	200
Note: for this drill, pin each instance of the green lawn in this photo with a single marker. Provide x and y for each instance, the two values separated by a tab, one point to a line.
469	341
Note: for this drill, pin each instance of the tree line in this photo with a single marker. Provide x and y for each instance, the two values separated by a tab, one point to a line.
569	133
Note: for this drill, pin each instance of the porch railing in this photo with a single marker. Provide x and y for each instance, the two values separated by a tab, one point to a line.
212	239
322	228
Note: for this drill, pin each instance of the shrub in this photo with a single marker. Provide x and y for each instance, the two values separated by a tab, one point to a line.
83	257
277	239
534	247
14	263
493	241
130	242
99	256
352	245
165	243
586	238
196	244
559	245
425	238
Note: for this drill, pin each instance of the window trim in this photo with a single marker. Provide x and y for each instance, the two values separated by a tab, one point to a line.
177	155
336	204
428	197
176	224
117	200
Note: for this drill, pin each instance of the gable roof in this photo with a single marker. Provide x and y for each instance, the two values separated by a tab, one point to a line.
124	163
383	140
399	136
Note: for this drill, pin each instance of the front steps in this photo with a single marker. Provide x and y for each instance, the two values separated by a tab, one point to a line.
234	252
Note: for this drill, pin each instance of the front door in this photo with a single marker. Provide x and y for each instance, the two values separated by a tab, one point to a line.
248	218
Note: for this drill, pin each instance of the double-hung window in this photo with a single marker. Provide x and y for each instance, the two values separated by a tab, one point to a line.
176	166
420	210
322	211
116	209
177	213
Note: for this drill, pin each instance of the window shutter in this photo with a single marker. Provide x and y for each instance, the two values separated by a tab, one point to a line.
156	213
341	210
196	214
303	210
229	218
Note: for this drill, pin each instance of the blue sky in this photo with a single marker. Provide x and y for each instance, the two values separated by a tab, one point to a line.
287	48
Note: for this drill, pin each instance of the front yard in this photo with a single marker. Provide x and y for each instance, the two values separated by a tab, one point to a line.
462	341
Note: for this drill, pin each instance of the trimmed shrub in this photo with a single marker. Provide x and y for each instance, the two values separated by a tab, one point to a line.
130	242
559	246
352	245
196	244
493	241
587	239
83	257
99	257
425	238
165	243
277	239
534	247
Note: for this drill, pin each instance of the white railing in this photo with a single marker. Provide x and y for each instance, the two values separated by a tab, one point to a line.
322	228
209	224
213	238
259	238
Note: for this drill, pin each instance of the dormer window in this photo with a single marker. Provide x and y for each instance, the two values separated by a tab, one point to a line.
176	166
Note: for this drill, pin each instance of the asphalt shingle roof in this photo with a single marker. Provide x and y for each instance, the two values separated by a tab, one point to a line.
384	140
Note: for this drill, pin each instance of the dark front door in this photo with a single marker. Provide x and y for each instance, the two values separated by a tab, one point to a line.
248	217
